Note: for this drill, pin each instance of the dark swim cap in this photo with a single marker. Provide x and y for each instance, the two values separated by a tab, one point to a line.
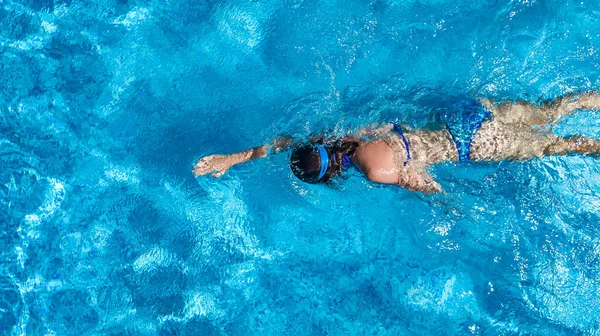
309	163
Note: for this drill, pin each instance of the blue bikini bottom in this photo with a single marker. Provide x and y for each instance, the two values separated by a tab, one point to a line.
464	119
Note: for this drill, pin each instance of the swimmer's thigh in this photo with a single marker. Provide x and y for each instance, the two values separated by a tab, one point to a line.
497	141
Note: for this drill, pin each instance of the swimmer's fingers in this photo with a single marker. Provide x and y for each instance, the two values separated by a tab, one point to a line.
202	168
200	171
216	164
206	170
217	173
220	173
206	165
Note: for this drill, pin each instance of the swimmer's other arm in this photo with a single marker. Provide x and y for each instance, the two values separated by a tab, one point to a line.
219	164
419	180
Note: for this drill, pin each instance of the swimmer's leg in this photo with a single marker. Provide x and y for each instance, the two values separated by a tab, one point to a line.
563	106
525	113
573	145
517	113
496	141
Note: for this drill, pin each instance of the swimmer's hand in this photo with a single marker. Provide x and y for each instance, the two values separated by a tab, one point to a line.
218	164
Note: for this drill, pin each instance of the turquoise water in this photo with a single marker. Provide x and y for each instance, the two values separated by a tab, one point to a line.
106	104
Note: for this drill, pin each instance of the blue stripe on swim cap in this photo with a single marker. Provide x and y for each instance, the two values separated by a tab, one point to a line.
324	161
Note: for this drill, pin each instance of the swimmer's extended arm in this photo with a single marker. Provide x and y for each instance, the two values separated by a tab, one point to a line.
218	164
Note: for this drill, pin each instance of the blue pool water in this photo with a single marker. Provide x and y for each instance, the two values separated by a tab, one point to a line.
106	104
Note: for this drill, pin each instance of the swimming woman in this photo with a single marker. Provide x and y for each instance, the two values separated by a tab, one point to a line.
475	130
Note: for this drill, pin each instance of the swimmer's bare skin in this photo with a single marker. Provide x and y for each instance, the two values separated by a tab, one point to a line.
219	164
517	131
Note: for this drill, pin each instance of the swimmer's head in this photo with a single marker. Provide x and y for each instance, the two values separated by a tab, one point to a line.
310	163
318	163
